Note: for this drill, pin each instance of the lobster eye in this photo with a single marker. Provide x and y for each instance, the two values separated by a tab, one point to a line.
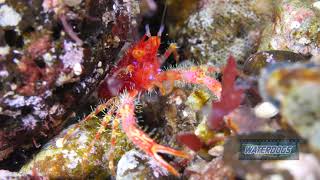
138	54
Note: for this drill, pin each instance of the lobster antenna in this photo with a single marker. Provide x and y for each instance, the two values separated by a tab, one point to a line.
163	18
148	30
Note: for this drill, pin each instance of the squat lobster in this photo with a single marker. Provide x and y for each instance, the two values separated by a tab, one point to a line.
139	71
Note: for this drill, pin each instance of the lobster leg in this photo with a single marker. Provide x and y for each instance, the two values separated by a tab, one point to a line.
109	116
172	49
105	121
93	114
115	127
193	75
140	139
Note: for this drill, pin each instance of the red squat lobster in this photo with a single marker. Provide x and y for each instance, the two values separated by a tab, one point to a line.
139	71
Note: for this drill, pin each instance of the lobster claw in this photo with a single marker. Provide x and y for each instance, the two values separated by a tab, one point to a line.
157	148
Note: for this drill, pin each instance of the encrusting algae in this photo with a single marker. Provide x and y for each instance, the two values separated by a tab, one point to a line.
59	159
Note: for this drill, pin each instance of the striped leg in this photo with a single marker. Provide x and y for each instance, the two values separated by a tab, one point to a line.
193	75
93	114
140	139
171	50
113	142
107	118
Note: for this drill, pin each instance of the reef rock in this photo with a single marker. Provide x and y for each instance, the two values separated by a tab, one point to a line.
296	28
53	55
220	28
